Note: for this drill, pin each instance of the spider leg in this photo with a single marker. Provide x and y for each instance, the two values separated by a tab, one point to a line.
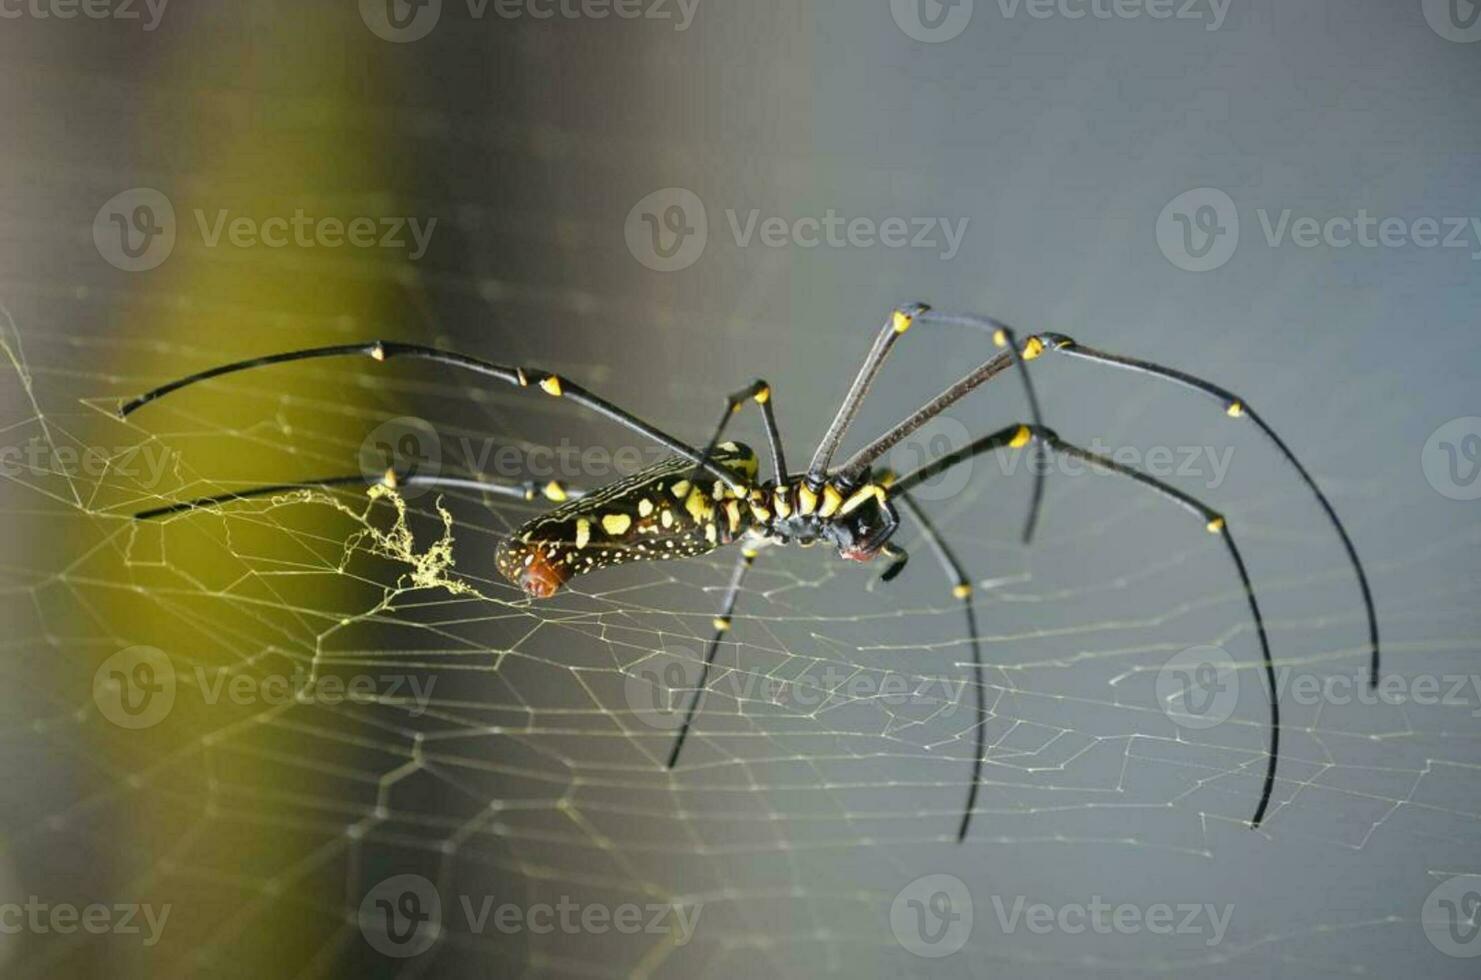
1234	407
758	391
1020	435
722	626
520	491
961	589
551	384
900	321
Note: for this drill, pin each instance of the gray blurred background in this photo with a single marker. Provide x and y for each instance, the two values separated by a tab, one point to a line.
1158	179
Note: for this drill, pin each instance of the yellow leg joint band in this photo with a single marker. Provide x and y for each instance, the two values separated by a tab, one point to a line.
552	385
1032	348
902	321
1216	525
1021	437
1235	410
962	591
807	500
721	624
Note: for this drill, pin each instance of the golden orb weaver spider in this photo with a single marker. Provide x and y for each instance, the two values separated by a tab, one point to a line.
698	500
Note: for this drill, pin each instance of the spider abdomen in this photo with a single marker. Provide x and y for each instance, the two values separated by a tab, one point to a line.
659	513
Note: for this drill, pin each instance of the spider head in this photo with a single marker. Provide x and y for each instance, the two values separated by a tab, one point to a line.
863	527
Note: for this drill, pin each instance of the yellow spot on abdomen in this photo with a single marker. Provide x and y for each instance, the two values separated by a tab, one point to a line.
583	532
615	524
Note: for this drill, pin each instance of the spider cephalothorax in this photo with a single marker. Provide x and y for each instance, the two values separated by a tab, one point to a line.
699	500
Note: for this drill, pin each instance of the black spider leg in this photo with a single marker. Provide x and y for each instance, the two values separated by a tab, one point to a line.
1020	435
900	321
722	626
758	391
551	384
961	589
1236	407
521	491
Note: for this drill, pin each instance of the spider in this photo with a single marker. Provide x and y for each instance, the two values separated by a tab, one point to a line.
698	500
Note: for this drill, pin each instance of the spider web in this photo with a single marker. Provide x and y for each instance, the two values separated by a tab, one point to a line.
514	750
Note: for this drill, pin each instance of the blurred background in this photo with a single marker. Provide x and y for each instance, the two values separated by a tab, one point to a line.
316	736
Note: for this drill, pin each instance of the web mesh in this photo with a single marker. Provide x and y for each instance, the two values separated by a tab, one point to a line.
356	696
